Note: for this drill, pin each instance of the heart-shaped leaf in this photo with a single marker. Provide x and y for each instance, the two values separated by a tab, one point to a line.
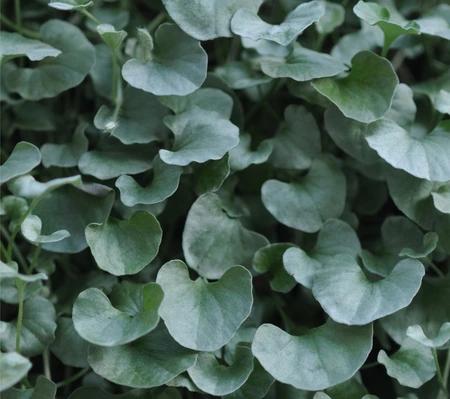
307	203
305	361
207	225
354	299
200	135
192	310
13	367
24	158
443	336
148	362
247	24
241	156
430	241
367	92
111	36
130	313
177	65
123	247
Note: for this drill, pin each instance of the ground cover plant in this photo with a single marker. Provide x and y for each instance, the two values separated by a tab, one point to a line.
242	199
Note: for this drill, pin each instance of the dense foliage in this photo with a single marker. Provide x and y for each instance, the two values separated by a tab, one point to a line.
242	199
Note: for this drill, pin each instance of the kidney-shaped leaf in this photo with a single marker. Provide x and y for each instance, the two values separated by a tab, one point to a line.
208	227
322	357
148	362
307	203
367	92
217	379
54	75
125	246
177	65
31	229
443	336
246	23
24	158
200	315
13	367
349	297
130	313
200	135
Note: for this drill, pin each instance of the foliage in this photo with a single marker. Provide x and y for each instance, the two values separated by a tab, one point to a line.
242	199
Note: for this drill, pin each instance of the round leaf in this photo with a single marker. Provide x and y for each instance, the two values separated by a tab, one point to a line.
13	367
24	158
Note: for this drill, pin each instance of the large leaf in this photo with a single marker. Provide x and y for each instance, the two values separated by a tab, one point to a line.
354	299
207	228
217	379
13	367
311	361
207	19
125	246
247	24
307	203
367	92
148	362
24	158
177	65
54	75
200	135
193	310
130	313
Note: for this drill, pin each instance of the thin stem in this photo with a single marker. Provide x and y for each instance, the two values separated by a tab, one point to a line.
4	251
370	365
446	373
441	382
90	16
155	22
11	25
20	288
35	258
18	13
118	98
114	76
320	40
73	378
17	253
434	267
46	363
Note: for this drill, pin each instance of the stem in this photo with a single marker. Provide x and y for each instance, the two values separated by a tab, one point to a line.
260	103
46	362
442	384
20	288
320	40
114	76
16	250
118	99
434	267
90	16
446	373
18	13
155	22
26	32
73	378
35	258
370	365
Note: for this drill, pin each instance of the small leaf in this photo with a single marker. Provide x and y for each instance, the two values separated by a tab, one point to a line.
70	5
207	226
241	156
177	66
240	75
111	36
306	204
164	184
412	365
13	367
193	310
209	176
442	101
10	271
332	18
24	158
162	356
441	198
217	379
366	94
123	247
247	24
443	336
430	241
15	45
31	229
304	361
130	313
355	300
44	389
200	135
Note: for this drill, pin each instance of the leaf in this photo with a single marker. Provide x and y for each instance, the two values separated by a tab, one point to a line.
366	94
111	36
217	379
14	208
443	336
246	23
332	18
304	361
354	299
303	65
66	155
31	229
430	241
101	72
163	185
270	259
307	203
207	227
241	156
193	310
403	110
13	367
93	392
73	209
38	328
123	247
295	147
200	136
15	45
54	75
177	65
68	346
24	158
442	102
160	355
209	176
240	75
70	5
425	158
10	270
207	20
130	313
375	14
140	119
335	238
412	365
441	198
44	389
